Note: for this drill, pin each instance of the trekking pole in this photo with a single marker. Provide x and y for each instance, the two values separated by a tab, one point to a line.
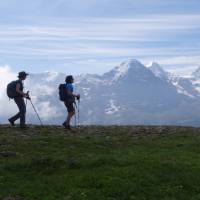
75	114
26	105
36	112
78	113
26	102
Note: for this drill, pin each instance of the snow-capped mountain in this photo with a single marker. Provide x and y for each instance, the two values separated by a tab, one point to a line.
125	69
158	71
185	86
195	79
130	93
196	73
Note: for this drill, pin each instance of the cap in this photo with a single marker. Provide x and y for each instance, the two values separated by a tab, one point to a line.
22	74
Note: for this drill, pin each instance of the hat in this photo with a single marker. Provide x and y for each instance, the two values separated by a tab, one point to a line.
22	74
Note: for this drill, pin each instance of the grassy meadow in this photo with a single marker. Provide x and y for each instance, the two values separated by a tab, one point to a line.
100	163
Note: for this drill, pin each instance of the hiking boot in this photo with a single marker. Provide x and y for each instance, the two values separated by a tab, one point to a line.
11	122
66	126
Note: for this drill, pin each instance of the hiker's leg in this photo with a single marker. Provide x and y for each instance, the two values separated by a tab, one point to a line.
69	116
22	112
71	112
22	109
17	116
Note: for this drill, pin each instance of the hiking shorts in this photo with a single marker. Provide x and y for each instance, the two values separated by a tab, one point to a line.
69	105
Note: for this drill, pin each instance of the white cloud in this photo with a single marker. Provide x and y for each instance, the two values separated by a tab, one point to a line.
107	29
39	89
180	60
102	38
182	71
6	75
6	106
47	111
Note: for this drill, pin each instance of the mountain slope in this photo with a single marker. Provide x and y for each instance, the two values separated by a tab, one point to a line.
129	94
184	86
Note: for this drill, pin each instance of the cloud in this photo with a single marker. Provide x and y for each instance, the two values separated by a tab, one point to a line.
180	65
47	111
64	41
6	106
39	89
182	71
101	28
22	9
101	37
180	60
6	75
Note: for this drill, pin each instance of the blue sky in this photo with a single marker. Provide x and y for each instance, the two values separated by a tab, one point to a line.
90	36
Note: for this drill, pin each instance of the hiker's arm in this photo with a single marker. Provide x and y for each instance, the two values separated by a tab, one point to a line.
19	91
77	96
72	94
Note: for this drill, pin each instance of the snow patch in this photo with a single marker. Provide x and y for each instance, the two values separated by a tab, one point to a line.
196	84
181	90
86	91
123	69
112	108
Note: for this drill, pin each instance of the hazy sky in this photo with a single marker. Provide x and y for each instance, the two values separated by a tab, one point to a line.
91	36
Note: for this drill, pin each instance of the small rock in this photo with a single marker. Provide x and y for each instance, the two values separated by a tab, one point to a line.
8	154
9	198
13	198
71	162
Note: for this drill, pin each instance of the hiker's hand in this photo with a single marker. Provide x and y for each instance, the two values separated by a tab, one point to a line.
78	96
29	98
27	95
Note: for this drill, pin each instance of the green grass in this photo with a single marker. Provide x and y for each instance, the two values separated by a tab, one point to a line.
97	163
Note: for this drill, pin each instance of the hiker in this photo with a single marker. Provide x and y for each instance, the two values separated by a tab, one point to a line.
69	99
15	91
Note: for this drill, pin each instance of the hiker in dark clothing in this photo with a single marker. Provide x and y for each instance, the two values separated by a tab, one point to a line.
69	100
19	100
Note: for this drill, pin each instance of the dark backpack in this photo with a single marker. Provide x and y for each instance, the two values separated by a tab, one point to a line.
63	95
11	89
62	92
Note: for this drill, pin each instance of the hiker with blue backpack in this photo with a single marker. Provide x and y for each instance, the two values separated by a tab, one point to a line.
66	94
15	91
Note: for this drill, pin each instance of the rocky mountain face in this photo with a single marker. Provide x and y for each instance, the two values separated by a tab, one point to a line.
131	93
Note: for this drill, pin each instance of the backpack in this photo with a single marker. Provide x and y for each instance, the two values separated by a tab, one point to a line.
63	95
62	92
11	89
